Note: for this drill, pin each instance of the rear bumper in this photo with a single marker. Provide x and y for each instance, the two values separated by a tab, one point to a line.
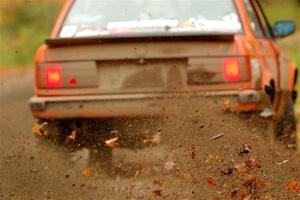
102	106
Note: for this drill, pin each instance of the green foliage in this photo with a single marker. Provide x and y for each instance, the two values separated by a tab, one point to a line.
282	9
25	24
23	27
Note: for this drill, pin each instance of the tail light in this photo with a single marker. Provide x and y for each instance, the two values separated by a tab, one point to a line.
232	71
54	76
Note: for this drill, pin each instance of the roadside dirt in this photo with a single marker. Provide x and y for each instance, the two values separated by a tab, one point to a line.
203	153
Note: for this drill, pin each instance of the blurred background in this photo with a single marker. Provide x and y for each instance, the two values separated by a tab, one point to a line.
24	24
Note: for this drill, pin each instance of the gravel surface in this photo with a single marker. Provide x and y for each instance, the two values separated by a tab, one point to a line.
201	153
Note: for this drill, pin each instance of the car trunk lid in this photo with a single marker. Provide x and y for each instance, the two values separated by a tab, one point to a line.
140	65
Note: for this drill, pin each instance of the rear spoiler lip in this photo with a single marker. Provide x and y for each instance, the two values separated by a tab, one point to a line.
136	38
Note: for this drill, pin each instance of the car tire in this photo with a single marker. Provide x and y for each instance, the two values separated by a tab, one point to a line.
286	127
57	131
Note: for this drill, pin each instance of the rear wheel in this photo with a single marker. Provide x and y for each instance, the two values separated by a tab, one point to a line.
58	131
286	127
80	133
53	130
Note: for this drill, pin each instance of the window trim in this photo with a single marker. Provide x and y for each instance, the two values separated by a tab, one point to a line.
65	18
269	27
242	31
257	19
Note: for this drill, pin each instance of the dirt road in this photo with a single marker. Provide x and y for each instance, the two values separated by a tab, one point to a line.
204	153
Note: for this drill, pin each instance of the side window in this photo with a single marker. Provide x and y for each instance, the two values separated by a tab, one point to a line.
255	25
263	20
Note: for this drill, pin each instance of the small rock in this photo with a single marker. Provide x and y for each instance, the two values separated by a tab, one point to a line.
169	165
283	162
267	113
227	171
244	149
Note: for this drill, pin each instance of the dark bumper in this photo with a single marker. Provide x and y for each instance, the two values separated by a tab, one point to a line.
102	106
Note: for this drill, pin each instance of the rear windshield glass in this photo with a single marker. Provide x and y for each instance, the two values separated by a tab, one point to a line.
152	17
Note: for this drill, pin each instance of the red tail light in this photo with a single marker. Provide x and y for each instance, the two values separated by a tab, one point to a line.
54	76
232	71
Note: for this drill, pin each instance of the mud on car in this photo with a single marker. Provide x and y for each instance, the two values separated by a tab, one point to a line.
123	59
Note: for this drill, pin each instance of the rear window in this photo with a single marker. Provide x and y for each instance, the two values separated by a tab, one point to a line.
150	17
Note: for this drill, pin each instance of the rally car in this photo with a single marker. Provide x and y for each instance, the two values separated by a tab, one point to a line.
110	59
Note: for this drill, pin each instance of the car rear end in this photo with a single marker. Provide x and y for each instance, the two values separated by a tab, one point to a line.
142	60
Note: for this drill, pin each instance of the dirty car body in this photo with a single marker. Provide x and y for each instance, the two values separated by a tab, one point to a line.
131	58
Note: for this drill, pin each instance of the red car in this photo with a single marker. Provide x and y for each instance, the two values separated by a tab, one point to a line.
108	59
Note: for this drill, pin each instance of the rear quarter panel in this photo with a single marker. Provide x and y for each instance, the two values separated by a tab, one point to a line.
61	18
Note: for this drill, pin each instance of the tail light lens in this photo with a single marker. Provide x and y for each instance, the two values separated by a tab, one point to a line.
232	71
54	76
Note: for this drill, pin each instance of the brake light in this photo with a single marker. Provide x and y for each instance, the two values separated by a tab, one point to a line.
232	71
54	76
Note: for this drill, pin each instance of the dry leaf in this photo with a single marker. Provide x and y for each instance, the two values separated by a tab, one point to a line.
283	162
268	185
87	172
157	182
157	192
234	193
225	103
72	136
244	195
192	151
46	133
40	129
210	158
258	163
252	183
154	140
112	143
248	163
227	171
216	137
242	167
293	186
249	180
36	129
212	182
